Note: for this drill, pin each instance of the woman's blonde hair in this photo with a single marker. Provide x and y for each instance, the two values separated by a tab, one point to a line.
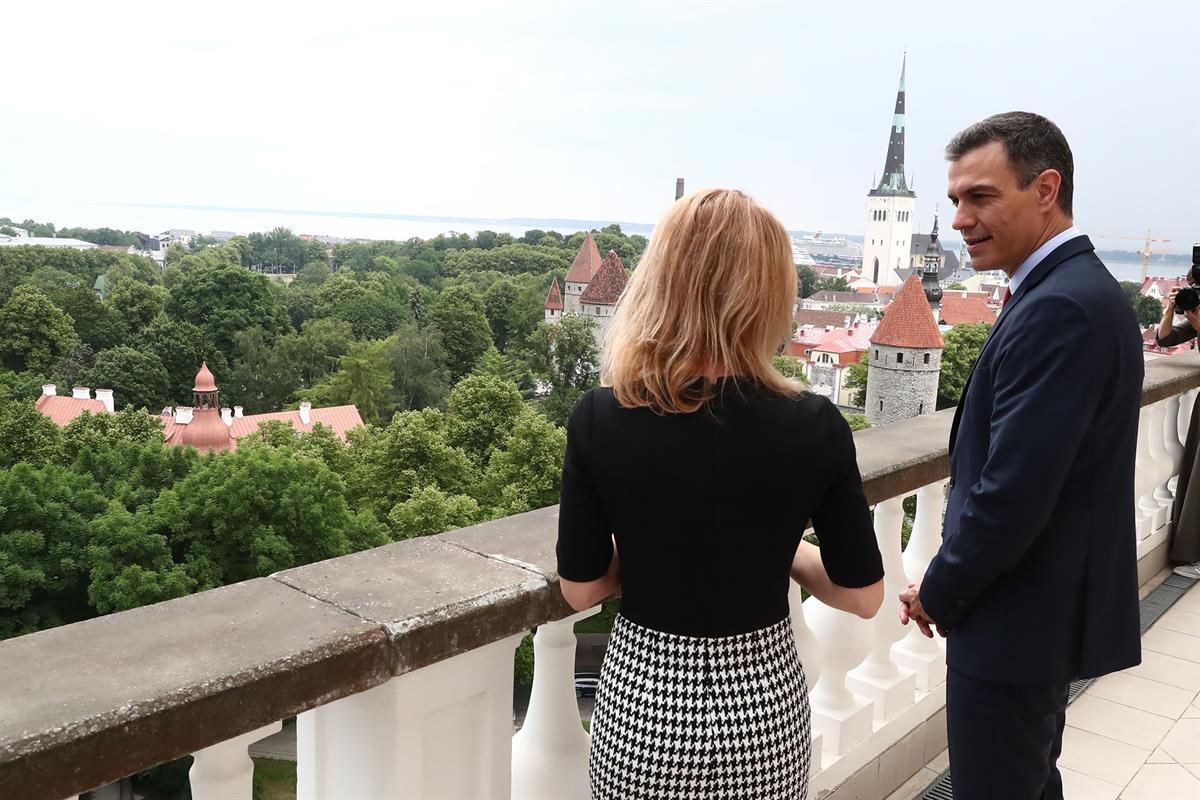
711	297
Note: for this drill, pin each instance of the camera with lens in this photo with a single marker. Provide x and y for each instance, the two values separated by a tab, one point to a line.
1188	298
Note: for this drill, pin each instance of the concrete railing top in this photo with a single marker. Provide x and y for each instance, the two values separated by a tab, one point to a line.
85	704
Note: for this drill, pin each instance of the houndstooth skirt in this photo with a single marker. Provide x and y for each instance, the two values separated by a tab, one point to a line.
691	718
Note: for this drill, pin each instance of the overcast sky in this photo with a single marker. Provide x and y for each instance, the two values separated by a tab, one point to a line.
585	110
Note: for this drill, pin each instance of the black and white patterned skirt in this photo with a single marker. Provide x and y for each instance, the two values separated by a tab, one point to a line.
687	718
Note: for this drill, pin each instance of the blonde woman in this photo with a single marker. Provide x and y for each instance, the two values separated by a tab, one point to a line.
700	465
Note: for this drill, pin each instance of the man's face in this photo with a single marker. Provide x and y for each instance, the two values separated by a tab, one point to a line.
999	221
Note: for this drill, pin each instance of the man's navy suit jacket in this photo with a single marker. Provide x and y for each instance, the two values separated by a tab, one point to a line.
1036	578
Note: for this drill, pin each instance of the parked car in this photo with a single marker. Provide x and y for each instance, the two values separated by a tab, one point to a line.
586	683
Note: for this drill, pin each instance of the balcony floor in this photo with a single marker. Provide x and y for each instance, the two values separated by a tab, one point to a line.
1133	735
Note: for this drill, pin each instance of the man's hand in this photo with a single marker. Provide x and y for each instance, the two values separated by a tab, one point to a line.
911	609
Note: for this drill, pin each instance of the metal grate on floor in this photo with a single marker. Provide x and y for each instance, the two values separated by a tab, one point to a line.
1153	606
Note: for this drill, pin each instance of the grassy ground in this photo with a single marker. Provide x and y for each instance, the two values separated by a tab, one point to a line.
274	779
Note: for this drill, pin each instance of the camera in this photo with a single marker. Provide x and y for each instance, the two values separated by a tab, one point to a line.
1188	298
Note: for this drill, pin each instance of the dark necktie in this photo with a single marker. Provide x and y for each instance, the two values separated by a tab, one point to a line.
1007	297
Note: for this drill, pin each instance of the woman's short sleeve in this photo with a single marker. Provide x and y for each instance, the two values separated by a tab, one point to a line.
842	519
584	535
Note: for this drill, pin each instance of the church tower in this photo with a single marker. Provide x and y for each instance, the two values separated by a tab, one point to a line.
890	207
931	267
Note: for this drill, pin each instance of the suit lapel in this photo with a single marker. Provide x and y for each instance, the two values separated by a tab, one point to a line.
1068	249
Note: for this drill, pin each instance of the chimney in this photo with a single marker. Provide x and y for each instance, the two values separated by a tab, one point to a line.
81	393
227	416
306	413
678	188
237	412
167	412
106	396
49	390
183	414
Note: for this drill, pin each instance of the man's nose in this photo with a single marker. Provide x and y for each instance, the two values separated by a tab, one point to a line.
962	218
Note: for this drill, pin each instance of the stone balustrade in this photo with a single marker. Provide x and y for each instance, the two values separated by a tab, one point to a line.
398	661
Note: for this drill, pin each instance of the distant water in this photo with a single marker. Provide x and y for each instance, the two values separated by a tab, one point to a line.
347	225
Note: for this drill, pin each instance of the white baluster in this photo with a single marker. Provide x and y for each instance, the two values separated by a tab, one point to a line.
923	655
1172	442
1188	404
810	658
842	718
890	687
1160	463
806	641
225	771
550	752
442	731
1147	507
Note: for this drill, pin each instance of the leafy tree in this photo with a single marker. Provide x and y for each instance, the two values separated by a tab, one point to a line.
806	280
313	274
417	361
70	368
88	433
98	324
963	344
34	333
411	453
790	367
128	565
458	315
955	286
371	314
182	347
1149	311
499	305
137	303
565	357
225	300
856	379
364	380
430	510
25	433
858	422
482	412
276	511
833	285
138	379
45	519
525	473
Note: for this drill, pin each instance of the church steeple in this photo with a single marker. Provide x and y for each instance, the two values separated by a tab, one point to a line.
893	181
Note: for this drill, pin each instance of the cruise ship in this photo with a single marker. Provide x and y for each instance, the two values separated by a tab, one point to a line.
816	248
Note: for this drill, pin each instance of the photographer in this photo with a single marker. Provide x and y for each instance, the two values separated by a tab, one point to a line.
1185	537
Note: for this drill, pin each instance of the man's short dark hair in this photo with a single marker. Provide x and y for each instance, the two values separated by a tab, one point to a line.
1033	144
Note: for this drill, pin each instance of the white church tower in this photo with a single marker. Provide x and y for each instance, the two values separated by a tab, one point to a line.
890	207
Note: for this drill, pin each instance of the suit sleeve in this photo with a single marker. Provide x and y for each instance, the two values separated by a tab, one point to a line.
1047	388
584	535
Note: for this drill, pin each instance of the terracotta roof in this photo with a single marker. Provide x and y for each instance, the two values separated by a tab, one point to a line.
61	410
586	263
554	300
204	380
205	432
966	308
821	317
1165	285
908	321
340	418
607	284
841	346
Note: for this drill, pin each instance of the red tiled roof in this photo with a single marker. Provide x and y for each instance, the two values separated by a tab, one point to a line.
61	410
966	308
1165	285
908	321
607	284
841	346
586	263
554	301
821	317
340	418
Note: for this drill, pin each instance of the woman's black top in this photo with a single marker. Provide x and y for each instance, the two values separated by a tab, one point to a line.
709	507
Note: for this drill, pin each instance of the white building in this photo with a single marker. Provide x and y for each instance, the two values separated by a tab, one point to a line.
887	243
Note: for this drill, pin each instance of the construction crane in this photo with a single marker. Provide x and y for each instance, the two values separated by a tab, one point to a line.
1147	250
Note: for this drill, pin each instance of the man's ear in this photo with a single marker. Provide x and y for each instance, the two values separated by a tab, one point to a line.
1047	185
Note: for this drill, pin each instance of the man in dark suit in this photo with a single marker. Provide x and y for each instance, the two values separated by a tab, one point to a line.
1035	584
